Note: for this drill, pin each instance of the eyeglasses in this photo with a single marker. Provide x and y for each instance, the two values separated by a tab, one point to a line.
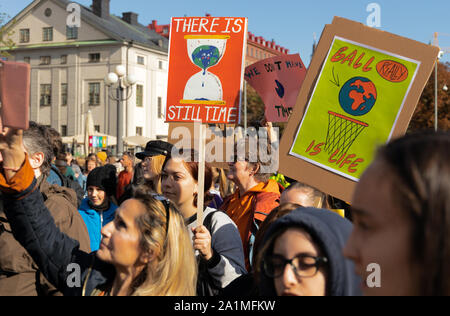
304	266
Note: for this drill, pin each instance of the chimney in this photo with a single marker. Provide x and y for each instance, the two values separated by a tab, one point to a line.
130	18
101	8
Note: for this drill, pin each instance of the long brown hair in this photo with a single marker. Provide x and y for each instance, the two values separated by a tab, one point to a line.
420	168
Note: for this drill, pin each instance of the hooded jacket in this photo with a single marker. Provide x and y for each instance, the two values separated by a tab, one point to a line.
330	232
96	220
19	274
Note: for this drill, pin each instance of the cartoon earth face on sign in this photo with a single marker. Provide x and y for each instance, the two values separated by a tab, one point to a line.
358	96
206	56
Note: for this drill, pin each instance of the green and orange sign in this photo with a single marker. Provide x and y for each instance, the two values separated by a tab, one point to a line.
354	107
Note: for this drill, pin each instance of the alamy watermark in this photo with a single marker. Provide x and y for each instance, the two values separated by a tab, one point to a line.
230	145
74	17
373	280
374	18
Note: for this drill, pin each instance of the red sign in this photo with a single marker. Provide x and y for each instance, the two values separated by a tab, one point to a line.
278	81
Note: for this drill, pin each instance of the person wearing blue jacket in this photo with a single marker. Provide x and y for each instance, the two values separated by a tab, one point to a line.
98	209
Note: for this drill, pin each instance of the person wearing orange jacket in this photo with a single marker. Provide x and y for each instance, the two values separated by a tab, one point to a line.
256	196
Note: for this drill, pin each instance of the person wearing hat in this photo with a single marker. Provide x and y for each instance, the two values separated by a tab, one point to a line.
98	209
153	158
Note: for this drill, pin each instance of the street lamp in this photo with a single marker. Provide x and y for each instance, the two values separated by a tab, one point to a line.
123	83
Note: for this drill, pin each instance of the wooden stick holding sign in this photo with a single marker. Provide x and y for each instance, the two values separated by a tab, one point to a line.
200	131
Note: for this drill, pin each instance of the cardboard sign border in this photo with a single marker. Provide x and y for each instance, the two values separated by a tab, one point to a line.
315	176
242	79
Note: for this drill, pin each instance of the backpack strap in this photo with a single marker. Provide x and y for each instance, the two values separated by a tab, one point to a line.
208	219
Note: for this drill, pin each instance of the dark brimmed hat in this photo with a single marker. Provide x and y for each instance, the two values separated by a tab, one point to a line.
155	148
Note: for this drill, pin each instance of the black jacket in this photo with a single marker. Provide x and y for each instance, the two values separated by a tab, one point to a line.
70	270
330	232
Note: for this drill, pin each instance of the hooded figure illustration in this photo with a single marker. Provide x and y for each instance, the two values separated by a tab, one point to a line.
329	233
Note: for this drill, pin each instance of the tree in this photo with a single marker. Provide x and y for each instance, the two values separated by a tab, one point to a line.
423	117
256	110
5	35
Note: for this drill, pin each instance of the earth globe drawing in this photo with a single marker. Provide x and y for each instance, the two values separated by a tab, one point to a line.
358	96
205	52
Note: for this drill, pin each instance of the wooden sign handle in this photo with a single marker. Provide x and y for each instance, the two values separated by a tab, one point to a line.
201	132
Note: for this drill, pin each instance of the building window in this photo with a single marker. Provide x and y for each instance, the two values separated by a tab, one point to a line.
138	131
94	58
139	95
63	130
160	111
25	35
63	59
46	60
166	30
161	64
251	52
141	60
64	94
71	32
47	34
97	128
94	93
27	60
46	94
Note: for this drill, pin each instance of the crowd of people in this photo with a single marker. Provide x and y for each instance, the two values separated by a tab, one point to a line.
130	223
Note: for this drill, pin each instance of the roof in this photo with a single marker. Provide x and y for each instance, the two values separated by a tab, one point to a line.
116	28
121	30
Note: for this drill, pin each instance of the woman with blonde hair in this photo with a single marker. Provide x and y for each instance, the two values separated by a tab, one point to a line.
146	250
153	158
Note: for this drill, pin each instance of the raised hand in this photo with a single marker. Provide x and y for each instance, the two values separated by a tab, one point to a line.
10	138
12	151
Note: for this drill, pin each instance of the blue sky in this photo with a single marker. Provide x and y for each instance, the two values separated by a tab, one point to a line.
292	23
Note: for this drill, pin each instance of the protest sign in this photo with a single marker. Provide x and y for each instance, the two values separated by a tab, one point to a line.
277	80
14	94
206	65
361	90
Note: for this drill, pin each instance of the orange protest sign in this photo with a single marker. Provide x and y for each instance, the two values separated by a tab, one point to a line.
206	65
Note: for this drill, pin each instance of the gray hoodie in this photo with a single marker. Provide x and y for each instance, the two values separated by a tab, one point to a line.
228	261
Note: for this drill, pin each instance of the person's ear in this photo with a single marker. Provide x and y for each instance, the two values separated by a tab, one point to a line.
148	256
195	189
37	160
253	169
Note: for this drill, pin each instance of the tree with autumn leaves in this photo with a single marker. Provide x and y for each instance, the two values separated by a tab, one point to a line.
423	117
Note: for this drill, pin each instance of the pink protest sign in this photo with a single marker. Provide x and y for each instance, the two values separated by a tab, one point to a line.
277	80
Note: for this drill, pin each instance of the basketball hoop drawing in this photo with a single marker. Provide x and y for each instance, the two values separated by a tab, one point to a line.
357	98
342	132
